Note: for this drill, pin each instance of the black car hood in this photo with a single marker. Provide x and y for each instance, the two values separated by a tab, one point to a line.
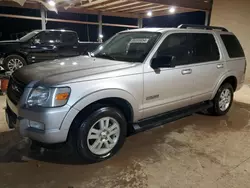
9	46
4	42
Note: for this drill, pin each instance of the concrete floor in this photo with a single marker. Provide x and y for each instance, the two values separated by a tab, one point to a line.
198	151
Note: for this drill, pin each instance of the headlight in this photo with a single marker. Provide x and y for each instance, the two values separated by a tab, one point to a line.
48	97
39	96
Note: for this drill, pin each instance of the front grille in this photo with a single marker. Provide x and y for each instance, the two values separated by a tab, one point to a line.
15	90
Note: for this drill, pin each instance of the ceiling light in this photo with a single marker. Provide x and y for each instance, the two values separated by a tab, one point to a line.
172	10
52	3
149	13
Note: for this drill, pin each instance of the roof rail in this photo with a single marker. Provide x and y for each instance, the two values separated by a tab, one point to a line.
185	26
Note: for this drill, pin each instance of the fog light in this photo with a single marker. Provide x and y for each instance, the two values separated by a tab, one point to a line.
36	125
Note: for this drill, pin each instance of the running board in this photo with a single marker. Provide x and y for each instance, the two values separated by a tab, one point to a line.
171	116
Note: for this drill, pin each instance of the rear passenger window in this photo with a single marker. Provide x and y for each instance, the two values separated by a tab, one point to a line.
233	46
204	48
69	38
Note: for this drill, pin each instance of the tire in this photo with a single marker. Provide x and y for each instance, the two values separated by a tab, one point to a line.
13	62
91	128
220	109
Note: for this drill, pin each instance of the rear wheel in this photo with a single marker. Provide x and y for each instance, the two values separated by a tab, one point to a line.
100	135
13	62
222	100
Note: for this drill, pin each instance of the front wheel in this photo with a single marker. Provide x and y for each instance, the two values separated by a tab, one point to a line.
222	100
101	135
13	62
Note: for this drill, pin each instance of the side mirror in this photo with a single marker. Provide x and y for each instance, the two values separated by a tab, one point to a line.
162	62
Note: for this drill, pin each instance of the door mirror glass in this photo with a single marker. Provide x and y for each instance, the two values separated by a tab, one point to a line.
162	62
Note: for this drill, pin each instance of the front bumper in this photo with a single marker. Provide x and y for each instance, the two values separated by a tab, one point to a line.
52	118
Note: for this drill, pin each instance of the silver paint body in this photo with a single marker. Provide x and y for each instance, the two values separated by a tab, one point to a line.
93	79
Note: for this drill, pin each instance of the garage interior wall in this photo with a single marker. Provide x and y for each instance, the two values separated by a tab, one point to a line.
235	16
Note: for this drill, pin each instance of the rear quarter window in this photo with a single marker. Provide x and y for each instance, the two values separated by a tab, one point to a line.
233	46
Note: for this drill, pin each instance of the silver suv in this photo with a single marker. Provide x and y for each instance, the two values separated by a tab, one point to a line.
139	79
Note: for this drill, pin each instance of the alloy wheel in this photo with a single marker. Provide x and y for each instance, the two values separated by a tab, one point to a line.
103	136
225	99
14	64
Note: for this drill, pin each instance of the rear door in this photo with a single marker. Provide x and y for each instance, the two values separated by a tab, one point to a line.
69	44
207	65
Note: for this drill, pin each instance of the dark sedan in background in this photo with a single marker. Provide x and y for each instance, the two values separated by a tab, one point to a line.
41	45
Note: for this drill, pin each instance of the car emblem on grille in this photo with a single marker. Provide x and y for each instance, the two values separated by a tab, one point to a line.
15	88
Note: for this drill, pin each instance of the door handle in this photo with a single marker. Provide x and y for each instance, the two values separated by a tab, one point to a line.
219	66
186	71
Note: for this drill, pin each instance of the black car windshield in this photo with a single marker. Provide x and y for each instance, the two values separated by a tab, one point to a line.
28	36
128	46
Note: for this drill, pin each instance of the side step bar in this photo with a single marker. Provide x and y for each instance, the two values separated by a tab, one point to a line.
171	116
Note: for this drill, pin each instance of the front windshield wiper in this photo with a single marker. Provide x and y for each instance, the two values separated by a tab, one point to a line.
106	56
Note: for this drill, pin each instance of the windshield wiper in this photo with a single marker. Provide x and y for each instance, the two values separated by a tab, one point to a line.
106	56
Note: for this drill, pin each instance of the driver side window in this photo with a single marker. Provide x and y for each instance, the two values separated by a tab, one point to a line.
176	46
47	37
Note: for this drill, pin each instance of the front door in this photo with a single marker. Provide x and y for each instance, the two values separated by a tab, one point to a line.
43	47
207	65
169	88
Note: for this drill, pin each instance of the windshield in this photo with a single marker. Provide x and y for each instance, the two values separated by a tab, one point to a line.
129	46
29	36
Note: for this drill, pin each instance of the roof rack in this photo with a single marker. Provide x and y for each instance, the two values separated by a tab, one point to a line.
185	26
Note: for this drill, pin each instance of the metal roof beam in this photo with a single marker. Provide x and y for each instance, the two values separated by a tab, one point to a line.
93	3
106	4
192	4
165	13
151	8
121	6
71	10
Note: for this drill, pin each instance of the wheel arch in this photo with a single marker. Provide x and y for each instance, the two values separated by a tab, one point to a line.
125	102
228	78
15	53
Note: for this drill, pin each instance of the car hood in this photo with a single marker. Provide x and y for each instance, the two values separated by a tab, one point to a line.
68	69
4	42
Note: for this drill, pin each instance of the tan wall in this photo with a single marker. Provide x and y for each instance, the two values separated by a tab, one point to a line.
235	16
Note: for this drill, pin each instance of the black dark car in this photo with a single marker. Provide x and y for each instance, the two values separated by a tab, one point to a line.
41	45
